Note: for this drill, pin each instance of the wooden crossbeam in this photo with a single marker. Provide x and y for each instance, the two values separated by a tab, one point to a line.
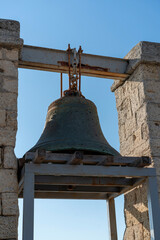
70	188
88	181
77	158
72	195
40	156
88	171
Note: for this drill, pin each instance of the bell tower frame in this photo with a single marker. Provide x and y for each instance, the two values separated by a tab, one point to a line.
91	177
140	65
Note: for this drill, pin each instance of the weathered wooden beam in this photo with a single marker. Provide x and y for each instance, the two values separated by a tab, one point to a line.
128	188
78	158
68	195
72	195
128	161
39	156
88	181
53	60
70	188
88	171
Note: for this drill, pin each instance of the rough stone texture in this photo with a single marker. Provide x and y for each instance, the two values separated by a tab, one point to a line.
2	118
8	101
143	52
9	34
10	44
10	204
10	160
10	25
10	85
10	54
8	227
7	136
0	157
8	68
8	180
138	106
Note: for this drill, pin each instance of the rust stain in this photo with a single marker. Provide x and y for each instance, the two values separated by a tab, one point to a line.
85	66
63	63
94	182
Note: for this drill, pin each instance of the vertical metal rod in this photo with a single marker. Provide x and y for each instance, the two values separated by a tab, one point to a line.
61	84
69	64
112	219
80	51
28	206
153	208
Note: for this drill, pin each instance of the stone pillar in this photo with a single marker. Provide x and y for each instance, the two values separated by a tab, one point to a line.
10	44
138	106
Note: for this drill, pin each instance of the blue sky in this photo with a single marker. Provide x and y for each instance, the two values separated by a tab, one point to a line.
104	27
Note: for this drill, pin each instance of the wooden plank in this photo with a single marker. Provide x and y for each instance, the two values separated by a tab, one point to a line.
112	219
77	158
39	156
71	188
29	156
127	161
128	188
53	60
72	195
92	171
90	181
106	160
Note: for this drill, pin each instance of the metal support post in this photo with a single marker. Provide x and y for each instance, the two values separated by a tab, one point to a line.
112	219
28	206
153	208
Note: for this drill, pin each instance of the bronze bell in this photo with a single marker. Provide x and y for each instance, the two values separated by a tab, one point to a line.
72	124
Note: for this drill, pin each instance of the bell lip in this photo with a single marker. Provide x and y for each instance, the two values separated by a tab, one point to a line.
49	147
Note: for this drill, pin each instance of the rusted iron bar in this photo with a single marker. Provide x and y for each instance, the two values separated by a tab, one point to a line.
69	65
61	84
80	52
57	61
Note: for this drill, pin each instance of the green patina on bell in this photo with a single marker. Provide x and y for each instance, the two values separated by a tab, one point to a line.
72	124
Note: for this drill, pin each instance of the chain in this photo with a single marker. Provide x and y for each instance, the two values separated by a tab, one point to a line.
74	77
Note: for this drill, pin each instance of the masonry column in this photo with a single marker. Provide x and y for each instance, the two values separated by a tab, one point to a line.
138	106
10	44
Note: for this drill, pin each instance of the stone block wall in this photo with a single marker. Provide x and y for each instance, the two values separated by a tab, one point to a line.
10	44
138	106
